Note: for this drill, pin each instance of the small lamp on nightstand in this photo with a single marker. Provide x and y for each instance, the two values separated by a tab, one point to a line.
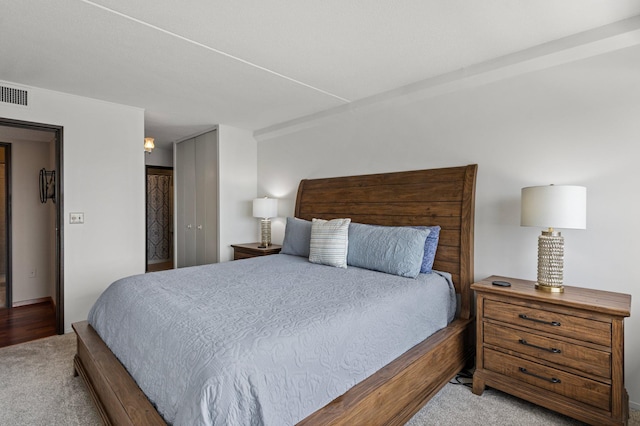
553	206
265	208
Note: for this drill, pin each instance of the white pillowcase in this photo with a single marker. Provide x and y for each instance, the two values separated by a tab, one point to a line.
329	242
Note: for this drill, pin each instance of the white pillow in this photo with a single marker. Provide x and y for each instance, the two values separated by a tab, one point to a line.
329	242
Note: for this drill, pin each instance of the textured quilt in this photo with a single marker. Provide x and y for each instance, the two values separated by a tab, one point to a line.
263	341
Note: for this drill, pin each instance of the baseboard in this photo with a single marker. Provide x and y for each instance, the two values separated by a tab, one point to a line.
634	405
33	301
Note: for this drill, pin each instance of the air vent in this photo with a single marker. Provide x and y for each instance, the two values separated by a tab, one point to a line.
13	96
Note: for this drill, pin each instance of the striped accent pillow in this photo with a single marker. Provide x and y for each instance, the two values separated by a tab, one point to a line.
329	242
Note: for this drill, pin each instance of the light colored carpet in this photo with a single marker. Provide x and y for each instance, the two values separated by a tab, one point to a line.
37	388
456	405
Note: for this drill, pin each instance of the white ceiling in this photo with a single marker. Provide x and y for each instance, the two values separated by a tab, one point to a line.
255	63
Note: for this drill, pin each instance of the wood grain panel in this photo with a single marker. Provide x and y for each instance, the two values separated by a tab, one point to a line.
578	410
619	396
434	210
577	357
434	176
117	394
444	197
409	192
449	223
586	390
561	324
609	303
448	255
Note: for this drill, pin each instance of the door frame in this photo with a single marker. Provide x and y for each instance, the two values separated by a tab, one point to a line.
146	213
7	224
59	255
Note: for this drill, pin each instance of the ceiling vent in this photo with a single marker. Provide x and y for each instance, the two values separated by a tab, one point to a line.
13	96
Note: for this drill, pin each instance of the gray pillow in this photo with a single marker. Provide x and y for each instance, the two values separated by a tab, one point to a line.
297	237
392	249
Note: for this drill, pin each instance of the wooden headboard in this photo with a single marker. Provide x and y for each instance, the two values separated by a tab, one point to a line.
444	197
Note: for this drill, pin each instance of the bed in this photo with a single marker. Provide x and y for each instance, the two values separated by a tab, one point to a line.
391	395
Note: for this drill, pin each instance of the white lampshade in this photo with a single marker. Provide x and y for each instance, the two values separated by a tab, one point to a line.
265	207
554	206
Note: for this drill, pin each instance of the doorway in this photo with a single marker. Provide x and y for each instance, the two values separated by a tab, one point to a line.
5	226
24	135
159	218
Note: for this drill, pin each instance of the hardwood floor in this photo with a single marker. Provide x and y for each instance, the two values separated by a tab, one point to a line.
26	323
155	267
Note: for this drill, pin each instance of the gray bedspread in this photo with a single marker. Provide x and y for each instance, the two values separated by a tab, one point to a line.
266	340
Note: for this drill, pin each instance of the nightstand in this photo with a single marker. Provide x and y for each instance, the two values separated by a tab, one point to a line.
245	251
563	351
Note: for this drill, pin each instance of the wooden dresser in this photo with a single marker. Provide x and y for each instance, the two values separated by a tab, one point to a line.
245	251
563	351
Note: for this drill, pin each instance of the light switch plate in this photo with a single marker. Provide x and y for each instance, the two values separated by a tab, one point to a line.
76	218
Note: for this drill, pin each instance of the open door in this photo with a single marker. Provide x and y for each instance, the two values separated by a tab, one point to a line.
5	226
159	218
53	133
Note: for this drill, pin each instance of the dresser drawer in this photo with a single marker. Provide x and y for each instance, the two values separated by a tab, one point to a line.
572	386
577	357
584	329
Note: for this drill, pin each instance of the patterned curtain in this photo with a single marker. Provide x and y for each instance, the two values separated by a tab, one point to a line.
158	218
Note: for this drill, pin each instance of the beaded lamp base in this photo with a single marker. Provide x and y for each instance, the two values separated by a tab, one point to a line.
265	233
550	261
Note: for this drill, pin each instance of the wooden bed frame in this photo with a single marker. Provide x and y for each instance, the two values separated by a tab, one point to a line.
444	197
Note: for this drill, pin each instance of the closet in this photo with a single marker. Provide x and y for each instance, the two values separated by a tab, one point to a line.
196	180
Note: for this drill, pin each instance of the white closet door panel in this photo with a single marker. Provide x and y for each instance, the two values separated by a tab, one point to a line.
179	187
186	199
211	207
206	198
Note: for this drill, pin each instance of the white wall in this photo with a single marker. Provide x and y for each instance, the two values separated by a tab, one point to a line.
572	124
104	178
237	156
162	157
31	223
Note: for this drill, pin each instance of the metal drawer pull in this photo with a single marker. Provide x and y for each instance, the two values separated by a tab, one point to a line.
553	350
554	323
552	380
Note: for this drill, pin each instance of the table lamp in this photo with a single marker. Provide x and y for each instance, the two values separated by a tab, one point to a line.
265	208
553	206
